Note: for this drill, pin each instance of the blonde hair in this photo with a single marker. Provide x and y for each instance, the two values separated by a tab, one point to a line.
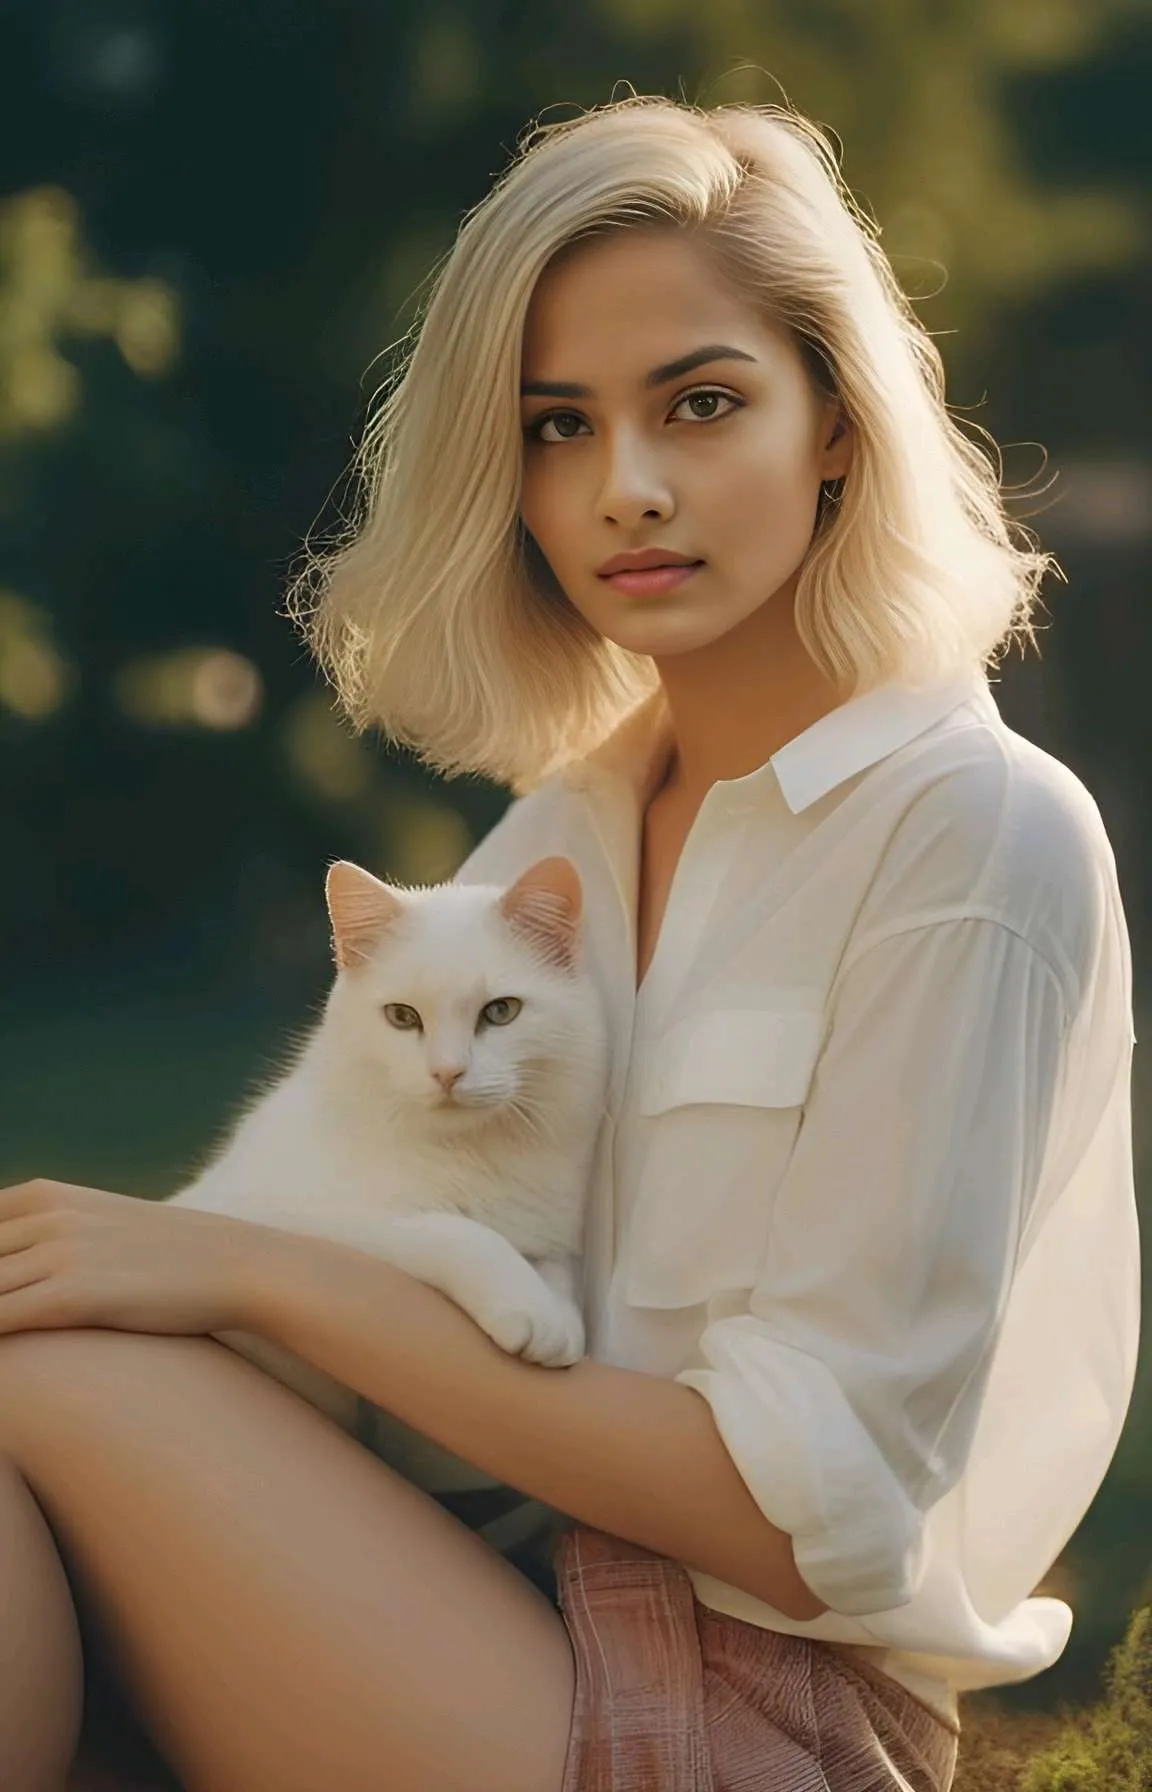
435	617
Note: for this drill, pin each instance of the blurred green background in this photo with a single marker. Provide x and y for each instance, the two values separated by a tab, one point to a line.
214	220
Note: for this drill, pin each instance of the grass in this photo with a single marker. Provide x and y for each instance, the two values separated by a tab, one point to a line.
1105	1747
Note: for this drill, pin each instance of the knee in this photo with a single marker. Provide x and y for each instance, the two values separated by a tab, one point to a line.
24	1357
50	1379
46	1356
28	1357
34	1366
46	1375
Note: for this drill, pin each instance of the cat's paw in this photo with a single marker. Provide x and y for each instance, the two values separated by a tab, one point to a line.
486	1275
541	1329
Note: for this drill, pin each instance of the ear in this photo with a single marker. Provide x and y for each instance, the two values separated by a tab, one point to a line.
544	905
839	438
361	909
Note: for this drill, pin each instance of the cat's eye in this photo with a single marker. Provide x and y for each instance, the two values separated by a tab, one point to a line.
500	1010
402	1015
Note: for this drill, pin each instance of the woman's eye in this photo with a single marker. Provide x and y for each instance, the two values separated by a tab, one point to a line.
709	395
534	430
402	1016
501	1010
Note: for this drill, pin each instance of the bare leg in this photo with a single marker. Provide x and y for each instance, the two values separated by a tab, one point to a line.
41	1674
116	1753
284	1612
42	1671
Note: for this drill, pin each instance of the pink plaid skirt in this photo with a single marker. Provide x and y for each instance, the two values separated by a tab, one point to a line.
674	1697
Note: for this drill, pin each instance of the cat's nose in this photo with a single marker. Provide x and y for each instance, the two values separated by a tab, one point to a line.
448	1079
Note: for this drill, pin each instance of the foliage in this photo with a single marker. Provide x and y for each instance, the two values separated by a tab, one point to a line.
919	96
996	1743
188	336
213	222
1109	1748
1106	1747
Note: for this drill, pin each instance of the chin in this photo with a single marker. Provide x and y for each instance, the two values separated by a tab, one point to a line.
668	636
459	1114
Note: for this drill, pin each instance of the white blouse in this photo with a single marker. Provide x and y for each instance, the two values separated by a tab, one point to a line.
864	1179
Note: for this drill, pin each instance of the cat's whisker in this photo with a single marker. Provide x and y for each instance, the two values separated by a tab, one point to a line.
529	1117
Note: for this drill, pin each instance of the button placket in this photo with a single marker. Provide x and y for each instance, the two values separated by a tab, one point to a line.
706	858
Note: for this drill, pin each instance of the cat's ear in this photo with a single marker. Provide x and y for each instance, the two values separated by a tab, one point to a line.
361	910
544	905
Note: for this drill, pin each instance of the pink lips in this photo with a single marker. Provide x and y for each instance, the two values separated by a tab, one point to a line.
649	580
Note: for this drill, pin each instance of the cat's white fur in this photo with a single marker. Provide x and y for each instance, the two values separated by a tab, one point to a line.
477	1188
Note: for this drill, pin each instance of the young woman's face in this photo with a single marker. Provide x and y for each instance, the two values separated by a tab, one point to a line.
721	461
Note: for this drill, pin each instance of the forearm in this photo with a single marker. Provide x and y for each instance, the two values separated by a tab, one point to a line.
635	1455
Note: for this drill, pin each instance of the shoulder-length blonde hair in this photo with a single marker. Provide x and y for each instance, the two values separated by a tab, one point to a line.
436	617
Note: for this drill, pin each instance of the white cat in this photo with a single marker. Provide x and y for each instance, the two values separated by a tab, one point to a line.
442	1114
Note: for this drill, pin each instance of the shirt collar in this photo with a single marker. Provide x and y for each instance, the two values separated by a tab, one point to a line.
849	739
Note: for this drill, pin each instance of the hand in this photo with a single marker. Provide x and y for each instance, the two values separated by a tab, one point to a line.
73	1256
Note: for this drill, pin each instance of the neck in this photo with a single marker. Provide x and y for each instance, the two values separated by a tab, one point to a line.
740	699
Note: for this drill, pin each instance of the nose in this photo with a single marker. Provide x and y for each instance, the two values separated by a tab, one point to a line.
448	1077
634	487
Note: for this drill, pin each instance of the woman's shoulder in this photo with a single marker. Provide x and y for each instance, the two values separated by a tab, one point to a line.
988	824
995	797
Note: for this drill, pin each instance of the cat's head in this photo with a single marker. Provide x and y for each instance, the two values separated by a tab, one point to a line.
470	1000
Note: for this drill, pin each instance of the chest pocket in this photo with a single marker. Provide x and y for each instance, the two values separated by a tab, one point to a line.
719	1106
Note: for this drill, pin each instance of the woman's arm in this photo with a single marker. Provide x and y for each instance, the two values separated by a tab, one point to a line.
851	1388
635	1455
632	1454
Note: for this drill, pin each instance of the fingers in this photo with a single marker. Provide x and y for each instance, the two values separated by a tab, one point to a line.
19	1234
29	1298
28	1311
28	1197
22	1268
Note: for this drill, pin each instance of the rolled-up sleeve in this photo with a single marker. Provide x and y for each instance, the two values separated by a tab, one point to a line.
848	1393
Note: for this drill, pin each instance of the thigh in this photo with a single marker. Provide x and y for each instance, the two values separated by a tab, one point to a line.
285	1611
115	1751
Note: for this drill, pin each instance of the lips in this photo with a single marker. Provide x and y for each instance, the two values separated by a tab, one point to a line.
648	581
645	561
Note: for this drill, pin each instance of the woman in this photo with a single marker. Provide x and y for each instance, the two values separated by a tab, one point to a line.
862	1268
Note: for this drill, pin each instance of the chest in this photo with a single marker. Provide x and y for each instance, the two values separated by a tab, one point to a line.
665	829
719	1055
734	927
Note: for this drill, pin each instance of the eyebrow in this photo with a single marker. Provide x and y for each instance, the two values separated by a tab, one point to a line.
659	376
